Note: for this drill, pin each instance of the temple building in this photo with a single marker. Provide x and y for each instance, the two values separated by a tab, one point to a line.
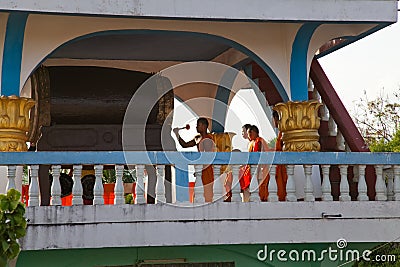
90	87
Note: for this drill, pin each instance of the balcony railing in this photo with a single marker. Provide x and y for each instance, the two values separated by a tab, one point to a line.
386	187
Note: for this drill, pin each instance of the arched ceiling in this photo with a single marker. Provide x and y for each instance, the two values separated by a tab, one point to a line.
144	47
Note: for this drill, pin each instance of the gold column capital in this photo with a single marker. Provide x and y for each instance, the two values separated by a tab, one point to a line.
14	122
299	123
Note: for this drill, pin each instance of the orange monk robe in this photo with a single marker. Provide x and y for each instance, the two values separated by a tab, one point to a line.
281	174
206	144
244	177
260	145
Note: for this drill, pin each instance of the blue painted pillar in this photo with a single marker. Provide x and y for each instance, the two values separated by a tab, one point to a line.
12	53
298	62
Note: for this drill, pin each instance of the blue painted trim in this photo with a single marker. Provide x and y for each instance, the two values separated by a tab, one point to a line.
12	54
222	96
221	39
298	62
185	158
248	69
221	100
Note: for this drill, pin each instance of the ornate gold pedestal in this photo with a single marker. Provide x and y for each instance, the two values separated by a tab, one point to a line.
223	142
299	124
14	122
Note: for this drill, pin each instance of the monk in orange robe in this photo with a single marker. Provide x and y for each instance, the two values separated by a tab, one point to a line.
204	143
244	171
281	174
258	144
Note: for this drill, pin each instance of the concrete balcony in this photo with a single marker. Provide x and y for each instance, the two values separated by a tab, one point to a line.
359	205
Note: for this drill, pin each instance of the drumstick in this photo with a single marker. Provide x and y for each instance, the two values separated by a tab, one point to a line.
187	127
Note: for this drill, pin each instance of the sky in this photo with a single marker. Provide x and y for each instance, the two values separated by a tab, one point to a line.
371	64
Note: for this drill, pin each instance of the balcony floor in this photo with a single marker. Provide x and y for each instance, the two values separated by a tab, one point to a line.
56	227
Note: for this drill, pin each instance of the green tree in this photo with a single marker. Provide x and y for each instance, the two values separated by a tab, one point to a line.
379	121
12	225
383	146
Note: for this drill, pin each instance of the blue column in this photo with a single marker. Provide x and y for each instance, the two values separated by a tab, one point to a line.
298	62
12	54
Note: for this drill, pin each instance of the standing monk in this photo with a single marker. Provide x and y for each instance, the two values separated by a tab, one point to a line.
204	144
244	174
258	144
281	174
244	171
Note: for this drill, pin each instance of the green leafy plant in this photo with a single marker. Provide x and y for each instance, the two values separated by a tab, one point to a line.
129	199
12	225
387	146
129	176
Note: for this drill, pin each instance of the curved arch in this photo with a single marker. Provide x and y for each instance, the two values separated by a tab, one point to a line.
328	31
222	39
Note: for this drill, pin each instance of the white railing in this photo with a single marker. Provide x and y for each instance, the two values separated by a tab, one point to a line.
386	166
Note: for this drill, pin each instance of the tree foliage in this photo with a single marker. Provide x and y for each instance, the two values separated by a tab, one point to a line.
382	146
379	121
12	225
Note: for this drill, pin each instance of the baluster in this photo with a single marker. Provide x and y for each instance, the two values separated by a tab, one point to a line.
346	147
326	184
77	190
362	184
344	184
380	187
310	87
396	186
235	184
332	126
309	187
356	174
139	189
340	141
160	186
324	113
119	187
316	95
272	186
390	185
56	186
218	194
11	171
34	186
198	187
254	186
290	184
98	190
